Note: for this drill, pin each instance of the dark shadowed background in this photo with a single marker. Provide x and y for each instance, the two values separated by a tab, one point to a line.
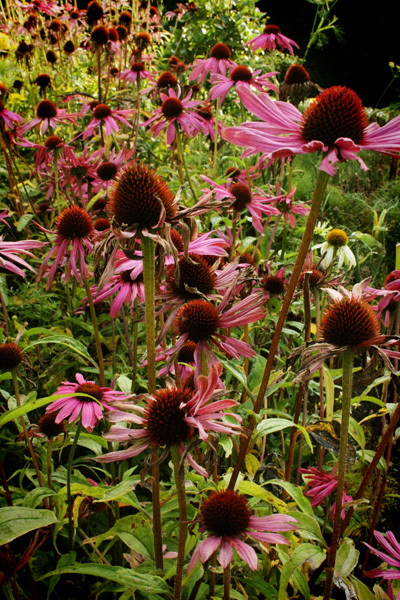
360	60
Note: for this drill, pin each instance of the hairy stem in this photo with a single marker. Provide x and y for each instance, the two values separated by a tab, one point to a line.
180	489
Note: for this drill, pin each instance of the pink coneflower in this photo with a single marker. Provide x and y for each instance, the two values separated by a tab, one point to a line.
89	407
348	322
127	283
392	558
74	227
136	70
227	517
320	485
240	77
199	321
107	171
287	207
10	118
205	113
44	154
243	197
334	123
3	216
170	418
175	110
219	61
269	38
204	244
9	252
391	295
47	115
104	115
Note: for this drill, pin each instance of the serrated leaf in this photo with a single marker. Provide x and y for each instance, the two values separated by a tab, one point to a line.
18	520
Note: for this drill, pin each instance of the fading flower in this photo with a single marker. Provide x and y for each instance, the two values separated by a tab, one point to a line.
392	558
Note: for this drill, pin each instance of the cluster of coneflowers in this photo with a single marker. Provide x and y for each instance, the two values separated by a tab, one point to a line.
111	223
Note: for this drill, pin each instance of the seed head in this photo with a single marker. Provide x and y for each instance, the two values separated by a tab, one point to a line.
336	113
10	356
94	12
220	51
296	74
226	514
74	222
51	57
349	322
337	238
139	196
242	193
164	417
49	427
166	80
172	107
92	390
196	274
69	47
46	109
274	285
199	319
107	171
53	142
272	29
102	224
241	73
43	81
100	35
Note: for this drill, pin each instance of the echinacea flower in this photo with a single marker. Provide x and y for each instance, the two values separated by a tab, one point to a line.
170	418
199	321
296	85
269	38
47	115
10	118
89	406
227	517
173	110
321	485
74	227
136	71
140	199
392	558
9	252
335	123
348	322
104	115
241	77
242	198
219	61
126	283
288	208
10	356
336	245
391	286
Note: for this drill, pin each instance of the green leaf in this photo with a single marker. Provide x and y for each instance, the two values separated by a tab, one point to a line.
10	415
269	426
308	527
23	222
237	373
119	490
18	520
256	491
346	558
296	493
64	340
329	392
363	592
149	584
304	553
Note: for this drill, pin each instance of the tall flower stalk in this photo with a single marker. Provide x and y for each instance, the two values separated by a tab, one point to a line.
319	193
148	255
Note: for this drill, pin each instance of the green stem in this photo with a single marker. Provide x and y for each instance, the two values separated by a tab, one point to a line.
56	180
182	159
149	276
97	339
216	136
227	583
347	387
49	465
180	489
26	434
69	497
319	192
